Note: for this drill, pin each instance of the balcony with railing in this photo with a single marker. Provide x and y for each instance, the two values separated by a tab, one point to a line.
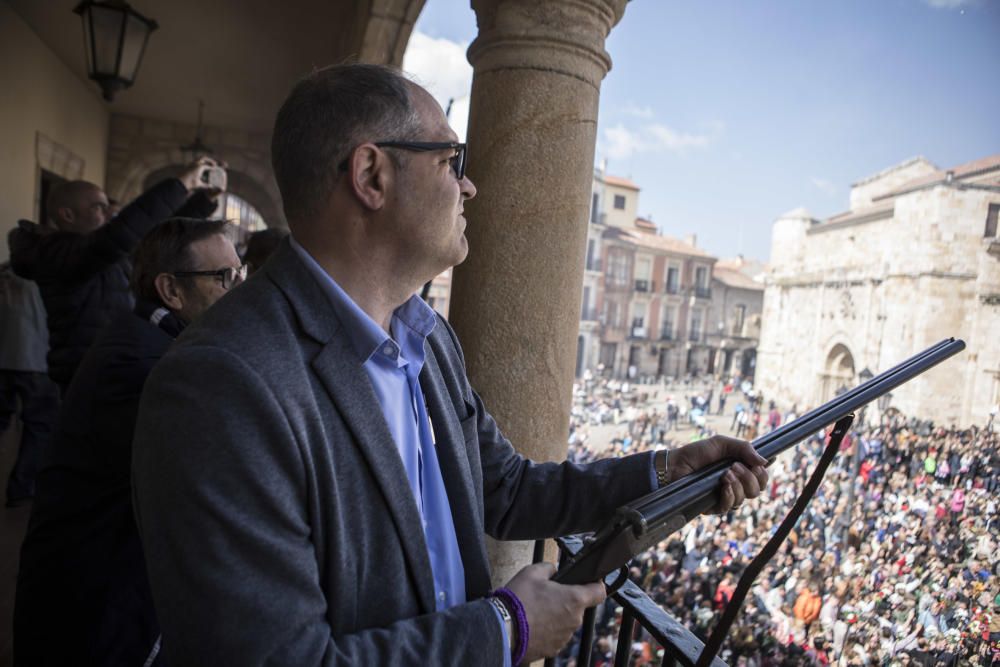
680	646
667	334
641	285
694	335
638	332
673	288
701	292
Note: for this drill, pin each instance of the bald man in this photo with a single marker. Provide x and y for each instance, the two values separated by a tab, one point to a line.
80	258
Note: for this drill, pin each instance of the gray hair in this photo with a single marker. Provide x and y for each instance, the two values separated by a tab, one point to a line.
327	114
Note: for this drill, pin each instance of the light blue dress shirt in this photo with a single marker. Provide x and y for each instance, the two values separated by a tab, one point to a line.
393	364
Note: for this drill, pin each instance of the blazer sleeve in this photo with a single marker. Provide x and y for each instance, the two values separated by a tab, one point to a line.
220	498
524	500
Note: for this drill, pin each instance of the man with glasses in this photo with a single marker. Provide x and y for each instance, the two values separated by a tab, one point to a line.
80	260
82	595
334	511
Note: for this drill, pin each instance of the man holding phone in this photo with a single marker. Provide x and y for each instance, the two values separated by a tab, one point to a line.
79	257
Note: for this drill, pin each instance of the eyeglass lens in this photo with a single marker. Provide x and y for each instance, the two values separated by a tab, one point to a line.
233	275
458	163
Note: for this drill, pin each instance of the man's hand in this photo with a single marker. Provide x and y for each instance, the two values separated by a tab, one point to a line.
746	478
194	176
554	611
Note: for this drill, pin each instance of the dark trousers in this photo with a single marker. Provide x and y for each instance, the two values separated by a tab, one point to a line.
39	406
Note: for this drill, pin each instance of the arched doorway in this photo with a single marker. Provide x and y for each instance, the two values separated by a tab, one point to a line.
244	216
838	372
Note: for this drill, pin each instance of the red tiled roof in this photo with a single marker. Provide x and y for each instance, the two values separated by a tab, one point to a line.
966	170
846	216
732	278
619	182
645	225
750	268
657	242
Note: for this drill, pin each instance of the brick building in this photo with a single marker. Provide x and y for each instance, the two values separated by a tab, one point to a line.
648	298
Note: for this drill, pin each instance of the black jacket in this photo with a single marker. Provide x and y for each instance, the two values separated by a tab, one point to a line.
82	593
84	278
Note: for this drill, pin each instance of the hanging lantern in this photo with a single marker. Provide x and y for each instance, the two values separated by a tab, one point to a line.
114	39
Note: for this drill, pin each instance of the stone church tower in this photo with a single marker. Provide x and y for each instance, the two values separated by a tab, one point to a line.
915	259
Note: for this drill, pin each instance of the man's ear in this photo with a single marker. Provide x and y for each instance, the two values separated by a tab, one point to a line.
63	216
370	173
169	291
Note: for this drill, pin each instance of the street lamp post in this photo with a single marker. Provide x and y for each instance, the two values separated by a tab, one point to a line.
864	376
114	39
883	405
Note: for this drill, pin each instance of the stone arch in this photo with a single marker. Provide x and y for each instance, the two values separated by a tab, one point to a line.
387	30
251	182
838	371
239	184
141	147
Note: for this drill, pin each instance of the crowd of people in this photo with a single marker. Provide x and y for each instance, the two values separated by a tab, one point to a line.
901	573
91	299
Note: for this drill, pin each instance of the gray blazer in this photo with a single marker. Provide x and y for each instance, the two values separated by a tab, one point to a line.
273	506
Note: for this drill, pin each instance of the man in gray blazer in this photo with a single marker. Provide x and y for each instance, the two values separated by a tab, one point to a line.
313	474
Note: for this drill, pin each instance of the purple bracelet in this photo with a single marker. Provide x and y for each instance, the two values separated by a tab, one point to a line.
517	611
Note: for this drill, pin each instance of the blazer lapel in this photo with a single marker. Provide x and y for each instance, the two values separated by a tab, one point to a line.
454	461
348	385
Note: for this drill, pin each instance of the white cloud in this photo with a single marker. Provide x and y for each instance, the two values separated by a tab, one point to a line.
674	141
824	185
620	142
633	109
440	66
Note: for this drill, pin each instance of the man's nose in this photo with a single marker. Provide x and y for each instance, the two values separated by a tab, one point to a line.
467	187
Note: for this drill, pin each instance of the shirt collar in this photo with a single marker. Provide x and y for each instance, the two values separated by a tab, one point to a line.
414	317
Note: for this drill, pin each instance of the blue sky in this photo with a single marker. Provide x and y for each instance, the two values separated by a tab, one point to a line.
729	113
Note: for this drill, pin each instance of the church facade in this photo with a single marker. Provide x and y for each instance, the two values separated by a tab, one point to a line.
916	259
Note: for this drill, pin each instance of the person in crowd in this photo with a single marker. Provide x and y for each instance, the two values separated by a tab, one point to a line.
727	389
808	604
82	593
899	554
262	245
25	387
79	257
335	509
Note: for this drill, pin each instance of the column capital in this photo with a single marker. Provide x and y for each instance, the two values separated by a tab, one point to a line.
562	36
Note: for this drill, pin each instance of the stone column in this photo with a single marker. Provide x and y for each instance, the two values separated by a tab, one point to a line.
538	68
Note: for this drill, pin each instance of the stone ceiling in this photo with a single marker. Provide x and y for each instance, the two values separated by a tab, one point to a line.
239	56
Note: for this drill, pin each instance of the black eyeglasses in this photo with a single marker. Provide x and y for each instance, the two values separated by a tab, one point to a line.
457	160
229	276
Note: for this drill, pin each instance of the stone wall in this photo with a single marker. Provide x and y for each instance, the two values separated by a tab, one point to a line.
885	290
50	119
888	180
